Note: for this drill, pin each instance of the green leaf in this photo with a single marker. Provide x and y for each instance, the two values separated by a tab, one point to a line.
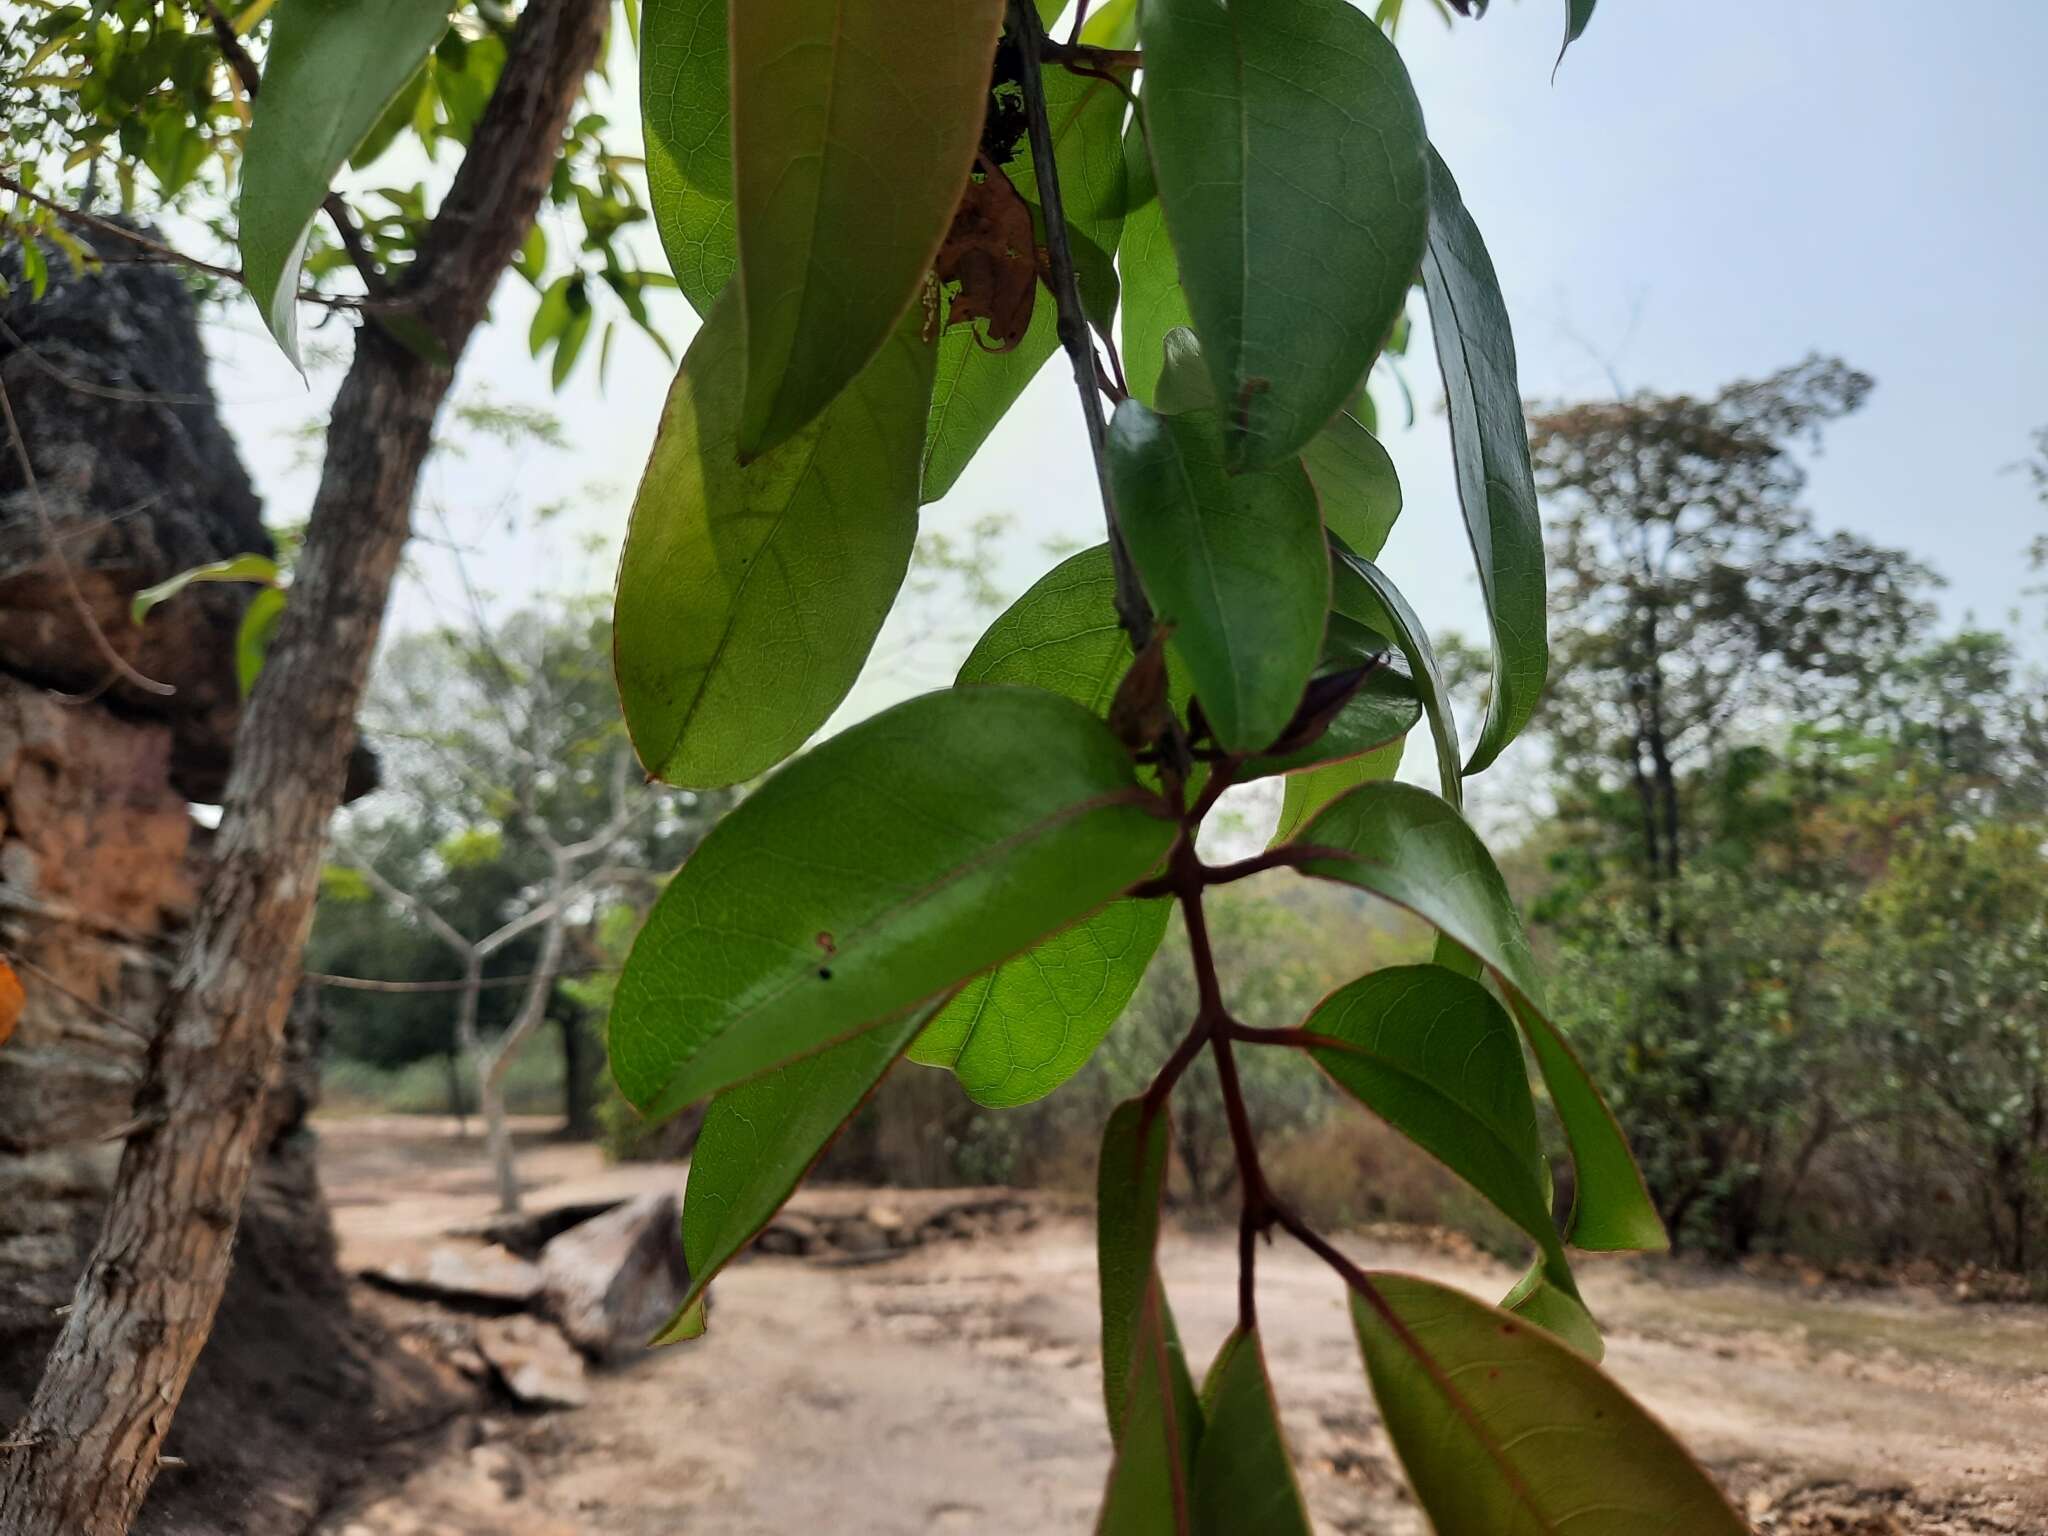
1291	163
1413	849
1504	1430
759	1140
1062	635
253	636
1148	1481
1378	715
1362	592
874	873
1184	382
1235	565
332	68
1130	1181
1113	24
1154	303
1432	1054
1578	15
1244	1478
1559	1308
686	114
1019	1032
1303	794
259	568
1490	449
976	386
749	595
1355	478
842	208
1016	1034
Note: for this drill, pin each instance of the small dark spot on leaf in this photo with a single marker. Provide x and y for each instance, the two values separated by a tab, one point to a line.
824	973
1508	1330
826	942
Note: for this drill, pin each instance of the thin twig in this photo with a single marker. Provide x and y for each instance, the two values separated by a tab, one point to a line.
375	984
101	643
156	250
1133	612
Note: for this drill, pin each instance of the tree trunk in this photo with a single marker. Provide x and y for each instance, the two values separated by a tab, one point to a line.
147	1299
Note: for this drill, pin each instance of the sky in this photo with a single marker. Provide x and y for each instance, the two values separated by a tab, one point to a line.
1706	192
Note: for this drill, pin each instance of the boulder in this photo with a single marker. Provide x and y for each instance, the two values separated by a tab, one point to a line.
611	1282
468	1279
532	1362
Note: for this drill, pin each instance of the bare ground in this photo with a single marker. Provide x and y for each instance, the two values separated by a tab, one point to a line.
956	1387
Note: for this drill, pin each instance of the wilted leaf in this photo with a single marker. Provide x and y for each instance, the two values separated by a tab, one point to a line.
875	873
990	253
12	1001
977	387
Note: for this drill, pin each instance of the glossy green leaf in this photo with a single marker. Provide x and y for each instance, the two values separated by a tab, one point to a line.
1016	1034
1414	849
1504	1430
1244	1478
976	386
1292	166
1235	565
332	68
254	634
1432	1054
760	1138
686	115
1303	794
842	207
256	568
1383	711
876	872
749	595
1130	1182
1355	478
1154	303
1578	15
1361	591
1490	449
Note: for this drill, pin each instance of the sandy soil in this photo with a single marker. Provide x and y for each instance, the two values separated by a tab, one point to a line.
956	1388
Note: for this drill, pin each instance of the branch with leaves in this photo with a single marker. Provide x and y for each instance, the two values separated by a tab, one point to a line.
977	879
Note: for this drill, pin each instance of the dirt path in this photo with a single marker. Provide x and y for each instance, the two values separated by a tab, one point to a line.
956	1388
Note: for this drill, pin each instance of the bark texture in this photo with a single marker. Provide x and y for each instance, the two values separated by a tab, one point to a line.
147	1299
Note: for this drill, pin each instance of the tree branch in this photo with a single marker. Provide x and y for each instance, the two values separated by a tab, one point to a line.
1133	612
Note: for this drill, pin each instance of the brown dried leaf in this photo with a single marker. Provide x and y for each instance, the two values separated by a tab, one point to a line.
992	254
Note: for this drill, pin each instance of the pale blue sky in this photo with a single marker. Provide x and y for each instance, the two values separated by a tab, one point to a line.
1708	191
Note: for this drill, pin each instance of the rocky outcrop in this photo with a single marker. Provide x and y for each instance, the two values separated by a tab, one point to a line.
135	479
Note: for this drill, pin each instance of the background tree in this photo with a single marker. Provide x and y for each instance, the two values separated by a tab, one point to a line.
1696	603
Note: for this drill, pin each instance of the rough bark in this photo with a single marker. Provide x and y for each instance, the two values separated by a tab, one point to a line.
148	1297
